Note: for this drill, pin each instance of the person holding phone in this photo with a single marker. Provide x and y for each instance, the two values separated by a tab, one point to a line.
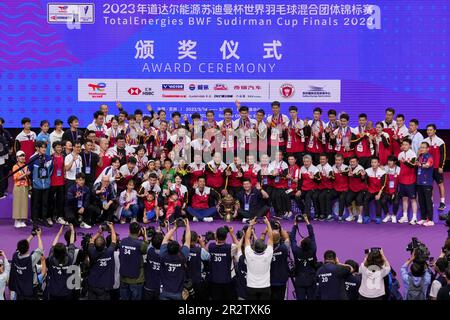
373	269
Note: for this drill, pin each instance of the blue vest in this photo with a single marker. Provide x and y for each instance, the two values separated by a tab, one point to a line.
130	257
101	274
305	272
21	276
173	273
220	263
279	269
352	284
330	283
152	270
425	175
194	264
57	276
241	277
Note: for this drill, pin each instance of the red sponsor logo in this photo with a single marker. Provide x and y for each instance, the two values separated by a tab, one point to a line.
134	91
287	90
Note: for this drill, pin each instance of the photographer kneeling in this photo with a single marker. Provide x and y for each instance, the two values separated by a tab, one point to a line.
373	270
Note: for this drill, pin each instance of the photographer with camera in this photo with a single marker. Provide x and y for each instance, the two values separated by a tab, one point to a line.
173	263
5	269
251	201
418	278
259	259
58	263
331	278
444	292
353	281
279	268
23	276
198	255
152	268
439	277
131	252
221	264
102	264
373	270
305	261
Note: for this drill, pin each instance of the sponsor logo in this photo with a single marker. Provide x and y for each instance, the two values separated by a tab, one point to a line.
247	87
63	8
97	90
192	87
172	87
134	91
316	92
148	92
287	90
222	96
86	9
220	86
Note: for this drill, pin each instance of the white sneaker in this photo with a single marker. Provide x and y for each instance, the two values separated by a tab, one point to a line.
429	224
245	220
360	218
420	222
61	220
350	218
208	219
194	219
84	225
413	222
133	220
17	224
394	219
23	224
50	221
403	219
387	218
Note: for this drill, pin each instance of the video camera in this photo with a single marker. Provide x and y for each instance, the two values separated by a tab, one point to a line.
374	250
85	239
105	228
179	222
299	218
421	252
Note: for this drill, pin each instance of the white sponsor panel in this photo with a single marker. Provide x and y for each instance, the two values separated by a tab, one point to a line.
225	90
63	12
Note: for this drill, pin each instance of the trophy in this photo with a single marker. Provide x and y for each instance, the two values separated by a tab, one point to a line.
227	207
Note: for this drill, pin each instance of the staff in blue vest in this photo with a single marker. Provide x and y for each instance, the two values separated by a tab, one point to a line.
23	277
279	269
152	285
173	263
131	252
59	270
101	257
222	266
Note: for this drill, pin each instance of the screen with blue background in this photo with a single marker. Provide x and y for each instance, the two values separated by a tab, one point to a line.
403	64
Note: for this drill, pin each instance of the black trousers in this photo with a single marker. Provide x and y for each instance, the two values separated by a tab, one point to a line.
306	201
56	201
258	293
72	215
315	158
364	162
150	294
98	294
425	194
277	292
222	291
40	204
253	213
233	191
305	293
4	169
358	197
324	201
201	291
387	199
368	198
280	201
340	195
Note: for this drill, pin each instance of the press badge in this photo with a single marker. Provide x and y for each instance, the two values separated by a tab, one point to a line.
359	147
277	179
265	180
246	206
88	170
391	184
58	172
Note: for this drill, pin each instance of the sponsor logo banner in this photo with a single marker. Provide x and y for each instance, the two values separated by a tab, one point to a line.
179	90
70	13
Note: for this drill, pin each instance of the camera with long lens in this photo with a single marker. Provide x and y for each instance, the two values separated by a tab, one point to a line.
105	228
299	218
275	225
85	239
209	236
372	250
241	233
179	222
421	252
150	231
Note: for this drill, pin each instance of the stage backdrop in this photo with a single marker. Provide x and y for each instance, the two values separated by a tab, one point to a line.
63	58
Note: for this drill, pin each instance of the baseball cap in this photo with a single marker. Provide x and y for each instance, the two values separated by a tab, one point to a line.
19	153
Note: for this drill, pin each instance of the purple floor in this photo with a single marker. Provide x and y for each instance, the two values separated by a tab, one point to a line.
348	239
